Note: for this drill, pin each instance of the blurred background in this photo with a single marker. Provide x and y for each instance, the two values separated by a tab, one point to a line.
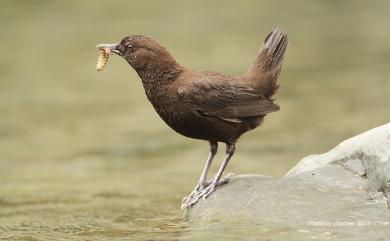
83	155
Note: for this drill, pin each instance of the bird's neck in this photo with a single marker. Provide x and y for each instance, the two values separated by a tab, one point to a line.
159	72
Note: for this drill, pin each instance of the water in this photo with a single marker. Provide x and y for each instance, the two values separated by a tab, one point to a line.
84	157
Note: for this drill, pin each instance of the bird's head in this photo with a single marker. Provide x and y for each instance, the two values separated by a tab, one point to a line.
141	52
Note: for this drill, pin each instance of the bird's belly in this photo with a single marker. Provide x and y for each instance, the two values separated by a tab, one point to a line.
204	128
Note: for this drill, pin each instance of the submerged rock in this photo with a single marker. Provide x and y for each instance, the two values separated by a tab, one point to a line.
342	194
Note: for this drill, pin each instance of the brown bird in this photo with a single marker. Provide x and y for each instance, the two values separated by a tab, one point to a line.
203	104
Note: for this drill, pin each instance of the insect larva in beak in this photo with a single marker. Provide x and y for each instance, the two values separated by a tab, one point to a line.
103	58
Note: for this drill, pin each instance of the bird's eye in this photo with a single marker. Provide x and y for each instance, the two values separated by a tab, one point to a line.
127	43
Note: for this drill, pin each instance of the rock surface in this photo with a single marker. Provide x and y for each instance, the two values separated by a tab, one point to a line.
342	194
366	155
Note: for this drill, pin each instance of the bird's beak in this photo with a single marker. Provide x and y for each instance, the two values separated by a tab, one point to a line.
112	47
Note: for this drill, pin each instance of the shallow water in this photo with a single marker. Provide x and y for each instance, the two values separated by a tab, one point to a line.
84	157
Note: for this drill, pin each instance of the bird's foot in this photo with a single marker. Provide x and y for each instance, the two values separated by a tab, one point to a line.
199	188
203	191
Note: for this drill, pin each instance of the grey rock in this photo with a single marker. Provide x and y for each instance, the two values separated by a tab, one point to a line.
366	155
357	154
342	194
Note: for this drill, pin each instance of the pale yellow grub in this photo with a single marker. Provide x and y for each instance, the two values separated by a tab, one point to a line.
103	58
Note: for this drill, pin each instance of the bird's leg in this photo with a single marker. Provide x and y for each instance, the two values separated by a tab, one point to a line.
230	148
202	180
203	176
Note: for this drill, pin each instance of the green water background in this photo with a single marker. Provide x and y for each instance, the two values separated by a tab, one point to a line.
83	155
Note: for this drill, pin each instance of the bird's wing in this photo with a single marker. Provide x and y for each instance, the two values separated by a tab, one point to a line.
227	102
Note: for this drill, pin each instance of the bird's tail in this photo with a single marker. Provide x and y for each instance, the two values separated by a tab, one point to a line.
263	74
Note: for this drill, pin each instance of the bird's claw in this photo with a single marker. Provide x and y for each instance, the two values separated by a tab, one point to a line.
186	200
208	191
203	191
